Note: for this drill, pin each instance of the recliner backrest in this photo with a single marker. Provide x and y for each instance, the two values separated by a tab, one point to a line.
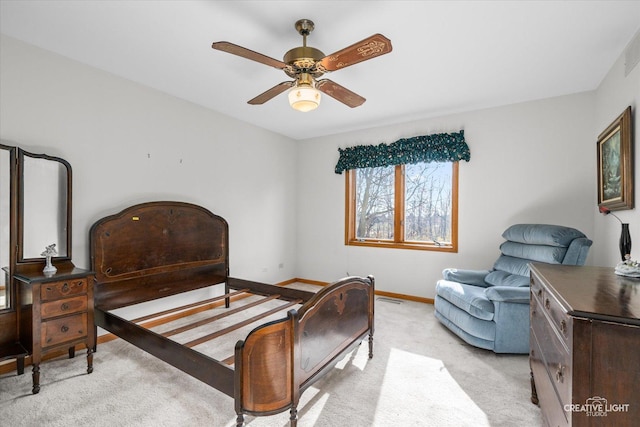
551	244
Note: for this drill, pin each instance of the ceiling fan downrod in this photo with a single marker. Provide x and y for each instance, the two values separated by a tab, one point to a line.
304	28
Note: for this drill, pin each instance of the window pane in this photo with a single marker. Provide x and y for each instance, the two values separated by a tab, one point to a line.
428	202
374	203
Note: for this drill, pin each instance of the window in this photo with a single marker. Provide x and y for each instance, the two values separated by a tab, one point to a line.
412	206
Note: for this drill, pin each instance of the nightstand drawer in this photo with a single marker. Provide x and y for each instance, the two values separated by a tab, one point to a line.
64	306
65	288
63	329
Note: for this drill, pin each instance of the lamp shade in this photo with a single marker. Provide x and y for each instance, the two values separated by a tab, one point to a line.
304	98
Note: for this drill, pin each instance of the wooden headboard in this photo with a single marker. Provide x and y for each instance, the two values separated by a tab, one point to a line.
156	249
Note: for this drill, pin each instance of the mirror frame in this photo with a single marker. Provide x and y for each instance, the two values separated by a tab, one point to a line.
20	208
13	227
9	322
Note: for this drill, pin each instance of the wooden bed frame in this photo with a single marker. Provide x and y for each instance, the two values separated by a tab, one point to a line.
159	249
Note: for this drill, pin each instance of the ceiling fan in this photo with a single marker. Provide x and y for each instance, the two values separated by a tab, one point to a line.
305	64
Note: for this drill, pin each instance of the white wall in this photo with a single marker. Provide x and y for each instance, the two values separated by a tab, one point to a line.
530	162
613	96
129	144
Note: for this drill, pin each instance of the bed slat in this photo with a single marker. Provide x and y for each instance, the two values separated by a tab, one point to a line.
226	313
241	324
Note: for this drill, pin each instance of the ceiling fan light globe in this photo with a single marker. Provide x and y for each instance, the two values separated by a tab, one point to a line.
304	98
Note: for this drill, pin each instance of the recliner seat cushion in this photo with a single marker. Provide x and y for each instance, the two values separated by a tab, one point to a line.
503	278
471	299
474	329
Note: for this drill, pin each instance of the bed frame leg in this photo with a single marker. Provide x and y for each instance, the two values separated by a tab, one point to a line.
240	420
370	346
294	417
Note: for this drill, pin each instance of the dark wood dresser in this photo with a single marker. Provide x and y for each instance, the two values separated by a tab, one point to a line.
55	312
585	346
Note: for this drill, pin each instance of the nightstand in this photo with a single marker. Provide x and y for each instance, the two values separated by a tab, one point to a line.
55	312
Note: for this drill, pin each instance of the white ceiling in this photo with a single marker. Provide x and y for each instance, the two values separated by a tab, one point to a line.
448	56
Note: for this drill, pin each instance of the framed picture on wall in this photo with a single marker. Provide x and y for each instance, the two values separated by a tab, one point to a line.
615	164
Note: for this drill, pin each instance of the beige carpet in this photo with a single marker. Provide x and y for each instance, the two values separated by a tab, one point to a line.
420	375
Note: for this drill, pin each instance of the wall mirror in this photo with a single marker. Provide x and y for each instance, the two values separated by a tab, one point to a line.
44	208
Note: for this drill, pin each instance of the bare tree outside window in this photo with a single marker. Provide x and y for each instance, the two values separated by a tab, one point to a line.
375	202
428	202
411	206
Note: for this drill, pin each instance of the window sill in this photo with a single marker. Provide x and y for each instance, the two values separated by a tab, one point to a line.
405	245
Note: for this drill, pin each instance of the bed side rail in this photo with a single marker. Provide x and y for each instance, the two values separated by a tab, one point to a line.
198	365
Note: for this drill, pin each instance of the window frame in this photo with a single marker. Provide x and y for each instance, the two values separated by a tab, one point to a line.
398	223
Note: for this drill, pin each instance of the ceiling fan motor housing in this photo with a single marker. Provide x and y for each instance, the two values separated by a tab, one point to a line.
303	59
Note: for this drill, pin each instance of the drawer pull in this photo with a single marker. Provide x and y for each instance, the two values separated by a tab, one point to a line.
560	374
65	287
64	329
547	304
64	306
539	292
563	326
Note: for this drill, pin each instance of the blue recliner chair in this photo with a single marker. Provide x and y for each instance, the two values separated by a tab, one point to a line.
490	308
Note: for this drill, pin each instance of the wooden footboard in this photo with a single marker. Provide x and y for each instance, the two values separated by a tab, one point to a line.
279	360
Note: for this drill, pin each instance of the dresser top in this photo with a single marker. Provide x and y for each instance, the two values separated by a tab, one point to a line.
61	274
592	292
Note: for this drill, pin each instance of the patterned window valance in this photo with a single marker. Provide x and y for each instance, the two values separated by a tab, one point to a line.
440	147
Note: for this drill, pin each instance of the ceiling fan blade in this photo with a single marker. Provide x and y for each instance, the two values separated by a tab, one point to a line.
270	93
368	48
340	93
249	54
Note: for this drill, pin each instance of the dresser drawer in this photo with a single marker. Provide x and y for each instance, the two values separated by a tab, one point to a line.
63	306
552	354
560	320
553	413
536	287
64	288
63	329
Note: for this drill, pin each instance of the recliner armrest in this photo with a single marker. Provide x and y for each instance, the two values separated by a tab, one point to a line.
577	251
470	277
519	295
